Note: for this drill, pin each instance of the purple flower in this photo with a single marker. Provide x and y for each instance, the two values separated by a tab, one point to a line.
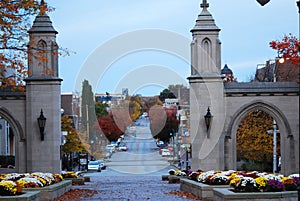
275	185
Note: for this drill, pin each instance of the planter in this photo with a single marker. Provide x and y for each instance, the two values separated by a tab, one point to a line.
165	177
76	181
228	195
26	196
51	192
199	189
87	179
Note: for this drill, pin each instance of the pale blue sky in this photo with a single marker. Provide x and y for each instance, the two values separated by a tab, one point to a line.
93	26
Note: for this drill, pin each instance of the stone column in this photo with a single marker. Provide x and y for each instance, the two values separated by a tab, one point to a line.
206	90
43	91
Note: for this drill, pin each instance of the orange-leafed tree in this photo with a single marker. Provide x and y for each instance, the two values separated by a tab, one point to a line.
15	21
288	48
73	142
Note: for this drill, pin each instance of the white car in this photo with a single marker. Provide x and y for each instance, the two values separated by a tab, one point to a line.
122	147
94	165
110	147
165	152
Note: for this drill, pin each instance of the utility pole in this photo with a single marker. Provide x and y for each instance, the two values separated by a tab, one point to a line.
87	122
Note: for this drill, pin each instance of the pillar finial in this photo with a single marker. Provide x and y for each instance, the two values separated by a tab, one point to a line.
204	4
42	7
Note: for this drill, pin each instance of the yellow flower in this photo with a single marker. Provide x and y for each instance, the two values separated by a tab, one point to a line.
8	188
261	181
234	181
22	183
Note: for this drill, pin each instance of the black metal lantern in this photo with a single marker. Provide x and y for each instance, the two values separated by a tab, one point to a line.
263	2
208	117
42	121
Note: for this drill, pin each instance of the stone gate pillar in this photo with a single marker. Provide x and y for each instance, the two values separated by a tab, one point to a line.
43	90
206	90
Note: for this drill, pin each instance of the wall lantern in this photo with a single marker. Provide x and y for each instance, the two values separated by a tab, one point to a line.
208	117
263	2
42	121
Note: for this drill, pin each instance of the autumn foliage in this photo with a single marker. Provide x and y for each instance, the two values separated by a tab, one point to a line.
15	21
163	121
288	48
253	141
109	127
73	141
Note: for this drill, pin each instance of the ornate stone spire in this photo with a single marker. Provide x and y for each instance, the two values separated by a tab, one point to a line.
205	20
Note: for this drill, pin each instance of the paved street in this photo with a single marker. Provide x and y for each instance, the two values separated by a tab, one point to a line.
134	175
142	156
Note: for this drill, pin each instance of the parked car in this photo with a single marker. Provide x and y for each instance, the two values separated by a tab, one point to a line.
122	147
102	164
165	152
159	143
94	166
110	148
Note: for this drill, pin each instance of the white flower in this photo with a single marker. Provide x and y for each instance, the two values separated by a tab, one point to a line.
293	175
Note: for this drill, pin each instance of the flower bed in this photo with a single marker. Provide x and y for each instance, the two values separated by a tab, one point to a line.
49	186
203	183
229	195
204	191
242	181
49	193
12	184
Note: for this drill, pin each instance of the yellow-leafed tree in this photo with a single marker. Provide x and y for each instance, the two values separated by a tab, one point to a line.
253	141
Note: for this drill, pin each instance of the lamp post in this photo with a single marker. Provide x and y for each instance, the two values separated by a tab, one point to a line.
41	122
274	132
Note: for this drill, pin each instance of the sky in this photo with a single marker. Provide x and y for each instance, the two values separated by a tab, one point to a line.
143	45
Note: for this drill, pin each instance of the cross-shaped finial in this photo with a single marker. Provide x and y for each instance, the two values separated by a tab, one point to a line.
204	4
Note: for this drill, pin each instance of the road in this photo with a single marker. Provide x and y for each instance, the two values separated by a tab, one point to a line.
134	175
142	156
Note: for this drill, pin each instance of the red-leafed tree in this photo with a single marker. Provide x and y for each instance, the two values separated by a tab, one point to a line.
109	128
287	48
163	122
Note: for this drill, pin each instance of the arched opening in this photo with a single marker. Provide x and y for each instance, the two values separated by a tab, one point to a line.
12	141
7	144
255	143
287	142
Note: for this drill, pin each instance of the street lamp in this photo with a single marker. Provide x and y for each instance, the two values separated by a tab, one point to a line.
208	117
41	122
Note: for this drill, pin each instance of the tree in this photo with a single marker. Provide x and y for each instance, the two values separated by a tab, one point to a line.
135	107
163	122
166	93
253	141
288	48
15	20
101	109
73	141
181	92
109	128
88	117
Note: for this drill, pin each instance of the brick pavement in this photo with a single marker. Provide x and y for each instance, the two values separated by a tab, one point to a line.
131	188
